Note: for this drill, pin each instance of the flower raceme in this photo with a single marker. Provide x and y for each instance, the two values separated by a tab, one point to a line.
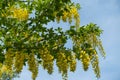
14	12
5	71
20	14
68	15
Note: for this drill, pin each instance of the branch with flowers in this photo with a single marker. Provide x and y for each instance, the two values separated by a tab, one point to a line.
26	40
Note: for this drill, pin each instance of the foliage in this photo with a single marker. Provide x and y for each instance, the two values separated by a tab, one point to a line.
24	39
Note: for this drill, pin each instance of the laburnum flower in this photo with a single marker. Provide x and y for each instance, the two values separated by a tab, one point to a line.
16	12
68	15
20	14
4	69
64	17
74	12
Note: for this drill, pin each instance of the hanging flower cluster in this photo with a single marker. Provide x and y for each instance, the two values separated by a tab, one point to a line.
16	12
47	59
86	45
69	14
20	14
33	65
84	59
6	70
19	61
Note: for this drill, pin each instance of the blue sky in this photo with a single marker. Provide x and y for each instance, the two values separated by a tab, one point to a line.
106	14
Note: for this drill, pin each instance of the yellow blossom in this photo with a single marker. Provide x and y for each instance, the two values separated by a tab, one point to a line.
64	17
20	14
4	69
73	10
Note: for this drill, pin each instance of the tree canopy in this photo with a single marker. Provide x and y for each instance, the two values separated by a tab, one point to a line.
26	40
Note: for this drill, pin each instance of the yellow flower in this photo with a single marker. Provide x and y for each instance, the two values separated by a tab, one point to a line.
74	12
4	69
20	14
64	17
69	58
73	65
81	51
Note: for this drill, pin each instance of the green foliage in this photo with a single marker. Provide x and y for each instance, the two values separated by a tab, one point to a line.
25	39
